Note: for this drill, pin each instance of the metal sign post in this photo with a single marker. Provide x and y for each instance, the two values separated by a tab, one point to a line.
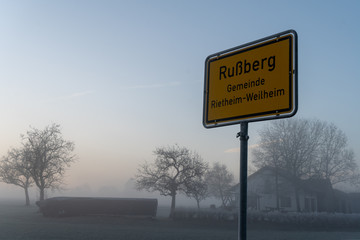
256	81
243	135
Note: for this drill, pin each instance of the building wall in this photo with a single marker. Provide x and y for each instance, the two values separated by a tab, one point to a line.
262	188
315	195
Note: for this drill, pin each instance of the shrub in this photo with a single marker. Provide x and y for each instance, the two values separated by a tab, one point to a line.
328	220
205	214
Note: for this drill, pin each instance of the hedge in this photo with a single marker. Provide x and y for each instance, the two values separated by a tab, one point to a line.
258	217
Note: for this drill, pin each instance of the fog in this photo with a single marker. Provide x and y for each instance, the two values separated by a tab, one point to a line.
123	190
122	78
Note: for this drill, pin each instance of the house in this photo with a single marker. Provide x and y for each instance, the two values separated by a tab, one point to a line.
270	189
354	202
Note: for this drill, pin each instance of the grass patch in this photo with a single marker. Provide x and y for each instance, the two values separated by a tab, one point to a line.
18	222
273	219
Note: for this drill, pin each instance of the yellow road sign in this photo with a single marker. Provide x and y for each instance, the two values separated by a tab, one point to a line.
253	82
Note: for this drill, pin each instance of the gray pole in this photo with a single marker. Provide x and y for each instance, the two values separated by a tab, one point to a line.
243	134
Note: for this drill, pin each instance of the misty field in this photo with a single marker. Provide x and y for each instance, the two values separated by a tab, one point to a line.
20	222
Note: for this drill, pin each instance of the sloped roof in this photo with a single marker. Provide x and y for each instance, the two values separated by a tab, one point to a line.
281	172
313	184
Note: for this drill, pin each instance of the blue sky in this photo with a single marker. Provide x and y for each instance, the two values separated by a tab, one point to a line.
124	77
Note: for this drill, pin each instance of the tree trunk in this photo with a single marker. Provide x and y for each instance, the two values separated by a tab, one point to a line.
42	194
297	199
173	200
223	203
27	199
277	190
198	203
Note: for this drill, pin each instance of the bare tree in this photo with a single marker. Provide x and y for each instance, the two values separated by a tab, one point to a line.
50	154
219	181
291	145
336	162
15	169
175	168
305	149
197	189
